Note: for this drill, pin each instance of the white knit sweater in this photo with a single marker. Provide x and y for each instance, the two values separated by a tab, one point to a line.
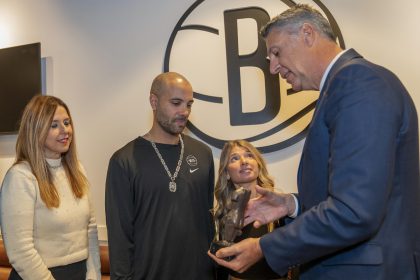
36	237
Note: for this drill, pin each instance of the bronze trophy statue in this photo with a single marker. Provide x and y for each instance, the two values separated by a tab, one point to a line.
229	226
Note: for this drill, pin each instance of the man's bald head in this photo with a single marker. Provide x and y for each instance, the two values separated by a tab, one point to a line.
167	80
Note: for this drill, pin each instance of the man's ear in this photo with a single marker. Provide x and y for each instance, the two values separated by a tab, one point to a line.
308	33
153	101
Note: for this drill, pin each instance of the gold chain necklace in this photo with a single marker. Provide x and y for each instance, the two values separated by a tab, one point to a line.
172	184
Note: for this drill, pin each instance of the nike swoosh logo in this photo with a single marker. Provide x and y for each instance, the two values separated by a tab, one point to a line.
193	170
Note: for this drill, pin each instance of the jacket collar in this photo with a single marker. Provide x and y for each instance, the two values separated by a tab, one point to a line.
346	57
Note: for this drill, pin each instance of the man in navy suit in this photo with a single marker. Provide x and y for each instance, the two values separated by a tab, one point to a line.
357	215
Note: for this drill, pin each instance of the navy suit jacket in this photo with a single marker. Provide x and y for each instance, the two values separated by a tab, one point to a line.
358	182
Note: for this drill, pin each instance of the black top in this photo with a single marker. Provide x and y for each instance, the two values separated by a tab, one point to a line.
260	270
154	233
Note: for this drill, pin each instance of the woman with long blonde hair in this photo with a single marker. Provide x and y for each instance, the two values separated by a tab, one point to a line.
48	225
242	166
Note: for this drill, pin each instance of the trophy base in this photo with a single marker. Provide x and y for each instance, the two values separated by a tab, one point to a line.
216	245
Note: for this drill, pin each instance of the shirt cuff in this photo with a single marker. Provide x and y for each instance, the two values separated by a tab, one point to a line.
295	213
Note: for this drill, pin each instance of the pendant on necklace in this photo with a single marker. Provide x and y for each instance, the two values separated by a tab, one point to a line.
172	186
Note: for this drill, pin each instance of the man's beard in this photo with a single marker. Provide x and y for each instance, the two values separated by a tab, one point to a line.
169	126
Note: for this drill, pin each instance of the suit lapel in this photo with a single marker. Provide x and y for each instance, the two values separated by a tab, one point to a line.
341	61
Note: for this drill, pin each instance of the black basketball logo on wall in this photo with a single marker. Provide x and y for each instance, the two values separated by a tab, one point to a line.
216	45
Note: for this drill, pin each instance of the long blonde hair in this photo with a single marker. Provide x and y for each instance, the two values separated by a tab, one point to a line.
34	127
224	187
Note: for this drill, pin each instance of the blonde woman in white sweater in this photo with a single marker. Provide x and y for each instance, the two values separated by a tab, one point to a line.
47	221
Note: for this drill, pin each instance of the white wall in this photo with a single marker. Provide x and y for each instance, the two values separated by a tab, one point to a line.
103	54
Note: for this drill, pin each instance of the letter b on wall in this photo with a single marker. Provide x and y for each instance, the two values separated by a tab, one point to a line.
256	59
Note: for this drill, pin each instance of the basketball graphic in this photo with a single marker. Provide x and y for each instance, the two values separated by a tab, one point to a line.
217	46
